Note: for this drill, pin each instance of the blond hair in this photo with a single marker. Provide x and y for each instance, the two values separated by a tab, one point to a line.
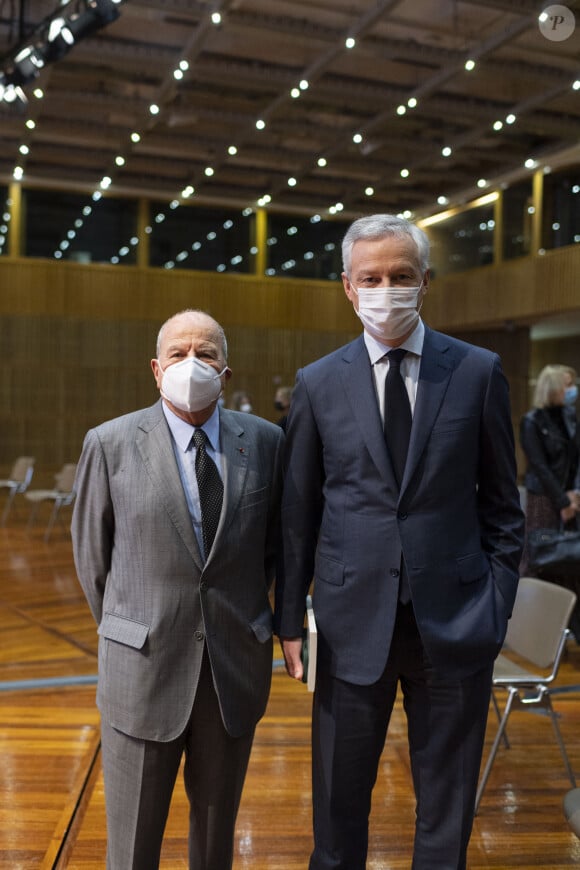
550	382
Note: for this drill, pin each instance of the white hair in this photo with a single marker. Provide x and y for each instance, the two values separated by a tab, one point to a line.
377	226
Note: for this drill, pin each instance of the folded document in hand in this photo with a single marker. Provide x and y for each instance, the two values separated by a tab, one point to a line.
309	645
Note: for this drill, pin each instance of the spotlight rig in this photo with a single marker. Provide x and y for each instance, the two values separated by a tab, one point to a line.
54	37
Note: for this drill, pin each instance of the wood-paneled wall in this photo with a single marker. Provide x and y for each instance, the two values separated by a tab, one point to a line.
76	340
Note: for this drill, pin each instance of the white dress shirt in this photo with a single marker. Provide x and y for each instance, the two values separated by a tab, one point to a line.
410	364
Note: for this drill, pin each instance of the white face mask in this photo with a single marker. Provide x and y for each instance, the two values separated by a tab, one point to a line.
191	385
388	313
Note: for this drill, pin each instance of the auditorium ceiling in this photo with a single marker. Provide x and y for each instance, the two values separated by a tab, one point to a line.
360	105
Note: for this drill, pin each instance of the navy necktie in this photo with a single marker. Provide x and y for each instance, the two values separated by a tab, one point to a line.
211	490
398	417
397	429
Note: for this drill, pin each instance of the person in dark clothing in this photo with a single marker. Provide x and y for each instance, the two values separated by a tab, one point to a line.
552	453
282	401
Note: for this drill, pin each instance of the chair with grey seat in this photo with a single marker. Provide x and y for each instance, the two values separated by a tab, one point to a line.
17	482
535	640
572	809
62	495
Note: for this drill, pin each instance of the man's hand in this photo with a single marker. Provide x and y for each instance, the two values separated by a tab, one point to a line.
292	649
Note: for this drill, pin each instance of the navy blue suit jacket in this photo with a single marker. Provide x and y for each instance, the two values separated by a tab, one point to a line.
456	520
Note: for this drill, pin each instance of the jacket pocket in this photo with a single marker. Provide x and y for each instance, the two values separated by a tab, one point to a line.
472	567
123	630
329	570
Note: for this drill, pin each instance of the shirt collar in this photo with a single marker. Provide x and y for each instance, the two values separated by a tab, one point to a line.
182	430
413	344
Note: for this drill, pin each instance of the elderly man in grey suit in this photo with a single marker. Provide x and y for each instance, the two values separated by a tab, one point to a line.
184	621
400	499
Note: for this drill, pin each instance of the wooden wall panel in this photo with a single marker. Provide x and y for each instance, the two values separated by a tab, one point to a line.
76	343
76	340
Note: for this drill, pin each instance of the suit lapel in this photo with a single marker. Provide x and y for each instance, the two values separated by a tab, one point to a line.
155	446
236	448
357	378
437	364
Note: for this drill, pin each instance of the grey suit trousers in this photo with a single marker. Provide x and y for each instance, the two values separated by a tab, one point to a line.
140	777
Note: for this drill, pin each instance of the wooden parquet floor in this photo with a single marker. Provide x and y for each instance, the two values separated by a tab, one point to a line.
51	791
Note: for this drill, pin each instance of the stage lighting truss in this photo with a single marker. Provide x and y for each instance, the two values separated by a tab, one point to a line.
54	37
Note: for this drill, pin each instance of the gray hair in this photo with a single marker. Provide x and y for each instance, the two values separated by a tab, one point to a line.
218	328
377	226
550	381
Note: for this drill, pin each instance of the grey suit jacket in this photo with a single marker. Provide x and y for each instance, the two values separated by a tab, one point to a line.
456	519
155	603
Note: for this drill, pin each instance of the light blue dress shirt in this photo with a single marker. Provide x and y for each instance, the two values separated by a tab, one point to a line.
184	449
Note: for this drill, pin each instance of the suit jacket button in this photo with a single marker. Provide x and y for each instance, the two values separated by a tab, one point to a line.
395	572
198	635
402	516
203	586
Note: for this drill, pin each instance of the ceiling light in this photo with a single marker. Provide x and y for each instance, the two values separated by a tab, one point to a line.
530	163
120	161
38	93
510	119
469	65
188	191
106	182
31	124
412	103
401	110
260	124
446	151
295	93
497	125
350	42
208	171
292	182
442	200
304	85
357	138
369	191
322	161
154	109
18	173
216	18
183	65
24	149
174	204
232	150
135	137
178	74
482	182
576	85
404	173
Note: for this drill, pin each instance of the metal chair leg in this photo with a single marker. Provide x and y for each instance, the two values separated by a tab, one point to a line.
8	505
52	518
558	734
500	731
498	714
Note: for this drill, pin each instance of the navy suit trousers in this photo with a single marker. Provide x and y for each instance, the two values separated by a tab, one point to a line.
446	728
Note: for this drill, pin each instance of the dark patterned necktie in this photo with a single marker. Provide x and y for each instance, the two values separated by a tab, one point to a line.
397	428
397	413
211	490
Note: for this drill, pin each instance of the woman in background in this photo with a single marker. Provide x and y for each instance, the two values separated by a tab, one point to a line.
552	455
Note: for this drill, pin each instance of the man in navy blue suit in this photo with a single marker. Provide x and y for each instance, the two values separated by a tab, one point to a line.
414	559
